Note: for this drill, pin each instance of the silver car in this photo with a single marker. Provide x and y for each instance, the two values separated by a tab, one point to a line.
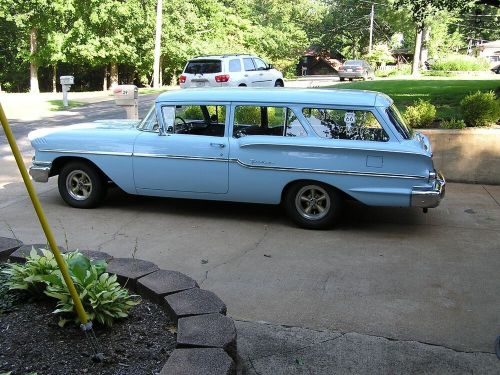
356	69
229	71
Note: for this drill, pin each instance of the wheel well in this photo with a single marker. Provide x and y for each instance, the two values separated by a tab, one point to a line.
60	162
291	183
242	85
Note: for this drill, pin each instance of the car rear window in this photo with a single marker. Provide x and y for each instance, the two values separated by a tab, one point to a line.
203	67
354	62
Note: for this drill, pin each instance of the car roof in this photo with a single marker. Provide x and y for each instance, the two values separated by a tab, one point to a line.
203	57
279	95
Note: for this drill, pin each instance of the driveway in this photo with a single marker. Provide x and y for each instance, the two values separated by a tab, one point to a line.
391	272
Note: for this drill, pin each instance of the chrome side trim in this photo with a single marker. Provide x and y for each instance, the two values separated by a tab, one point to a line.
327	171
329	147
185	157
429	197
113	153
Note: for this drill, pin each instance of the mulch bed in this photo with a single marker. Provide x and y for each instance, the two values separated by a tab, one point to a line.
32	342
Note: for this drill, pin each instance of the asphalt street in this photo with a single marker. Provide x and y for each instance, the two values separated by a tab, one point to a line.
387	272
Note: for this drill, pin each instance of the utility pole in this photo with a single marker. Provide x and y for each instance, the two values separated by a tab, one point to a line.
372	15
156	65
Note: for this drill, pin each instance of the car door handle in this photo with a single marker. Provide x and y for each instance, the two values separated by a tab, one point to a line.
220	145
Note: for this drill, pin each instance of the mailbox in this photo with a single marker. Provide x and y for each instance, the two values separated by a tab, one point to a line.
126	95
67	80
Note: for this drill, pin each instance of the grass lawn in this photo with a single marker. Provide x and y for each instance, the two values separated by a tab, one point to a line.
57	105
445	94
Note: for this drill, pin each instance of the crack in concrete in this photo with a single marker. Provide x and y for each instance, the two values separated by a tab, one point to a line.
342	334
245	252
115	233
492	197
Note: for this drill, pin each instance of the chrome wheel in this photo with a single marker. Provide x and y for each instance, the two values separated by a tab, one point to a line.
78	185
312	202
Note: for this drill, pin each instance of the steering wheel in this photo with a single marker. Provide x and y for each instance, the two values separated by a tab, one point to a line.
183	121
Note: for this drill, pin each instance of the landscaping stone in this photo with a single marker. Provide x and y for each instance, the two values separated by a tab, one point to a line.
210	331
8	246
199	361
96	255
20	255
129	270
160	283
193	302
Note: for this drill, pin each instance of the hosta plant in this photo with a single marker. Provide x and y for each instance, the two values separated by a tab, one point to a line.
103	299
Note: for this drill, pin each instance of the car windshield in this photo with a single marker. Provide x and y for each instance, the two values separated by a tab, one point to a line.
397	120
203	67
150	122
354	62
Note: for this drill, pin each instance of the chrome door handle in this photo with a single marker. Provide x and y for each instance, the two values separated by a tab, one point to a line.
220	145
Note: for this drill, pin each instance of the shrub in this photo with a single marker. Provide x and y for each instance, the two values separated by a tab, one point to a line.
421	114
480	108
461	63
453	123
102	297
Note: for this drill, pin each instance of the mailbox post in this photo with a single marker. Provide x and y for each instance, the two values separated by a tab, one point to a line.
126	96
66	82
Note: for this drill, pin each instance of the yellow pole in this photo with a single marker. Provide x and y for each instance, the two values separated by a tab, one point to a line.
43	220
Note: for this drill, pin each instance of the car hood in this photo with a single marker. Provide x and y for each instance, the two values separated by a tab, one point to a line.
102	135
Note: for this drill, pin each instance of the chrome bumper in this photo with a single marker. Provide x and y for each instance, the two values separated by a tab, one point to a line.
40	171
429	197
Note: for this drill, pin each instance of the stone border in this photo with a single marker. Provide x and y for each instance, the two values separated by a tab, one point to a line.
206	337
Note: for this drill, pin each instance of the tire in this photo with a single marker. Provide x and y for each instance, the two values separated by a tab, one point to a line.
311	195
350	79
81	185
342	79
279	83
242	85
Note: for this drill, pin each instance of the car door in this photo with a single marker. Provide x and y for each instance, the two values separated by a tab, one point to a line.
250	72
263	77
190	155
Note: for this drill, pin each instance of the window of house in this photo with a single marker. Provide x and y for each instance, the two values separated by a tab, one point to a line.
345	124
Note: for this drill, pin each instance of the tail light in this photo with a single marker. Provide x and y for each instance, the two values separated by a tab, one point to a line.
341	68
222	78
182	79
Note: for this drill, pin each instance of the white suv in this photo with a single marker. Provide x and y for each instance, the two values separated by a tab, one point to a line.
229	70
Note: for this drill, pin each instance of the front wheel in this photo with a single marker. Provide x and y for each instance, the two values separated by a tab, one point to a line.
81	185
313	205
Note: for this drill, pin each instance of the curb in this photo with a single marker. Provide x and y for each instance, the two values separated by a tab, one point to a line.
206	337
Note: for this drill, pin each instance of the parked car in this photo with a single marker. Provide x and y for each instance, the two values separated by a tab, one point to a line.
356	69
229	70
309	149
496	69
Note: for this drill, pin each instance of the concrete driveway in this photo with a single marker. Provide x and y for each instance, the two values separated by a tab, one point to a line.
396	273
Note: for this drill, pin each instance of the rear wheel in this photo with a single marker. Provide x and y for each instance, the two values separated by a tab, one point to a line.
313	205
81	185
350	79
342	79
279	83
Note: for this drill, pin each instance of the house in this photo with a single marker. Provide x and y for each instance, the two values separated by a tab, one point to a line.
489	50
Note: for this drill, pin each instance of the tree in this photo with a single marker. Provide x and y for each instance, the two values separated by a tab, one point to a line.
421	11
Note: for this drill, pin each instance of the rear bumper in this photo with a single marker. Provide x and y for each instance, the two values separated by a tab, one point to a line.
429	197
351	74
40	171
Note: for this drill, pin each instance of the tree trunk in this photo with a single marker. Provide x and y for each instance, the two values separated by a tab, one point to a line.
424	49
34	89
416	55
54	78
157	53
160	73
114	74
105	79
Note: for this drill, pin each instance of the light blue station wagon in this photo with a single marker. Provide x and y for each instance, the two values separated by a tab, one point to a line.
309	149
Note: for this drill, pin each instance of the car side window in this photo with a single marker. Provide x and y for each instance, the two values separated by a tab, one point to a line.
257	120
345	124
248	64
209	120
259	64
235	65
150	122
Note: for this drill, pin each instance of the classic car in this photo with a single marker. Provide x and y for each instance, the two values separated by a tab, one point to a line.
309	149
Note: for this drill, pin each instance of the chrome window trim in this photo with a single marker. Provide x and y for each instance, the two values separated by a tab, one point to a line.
327	171
113	153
